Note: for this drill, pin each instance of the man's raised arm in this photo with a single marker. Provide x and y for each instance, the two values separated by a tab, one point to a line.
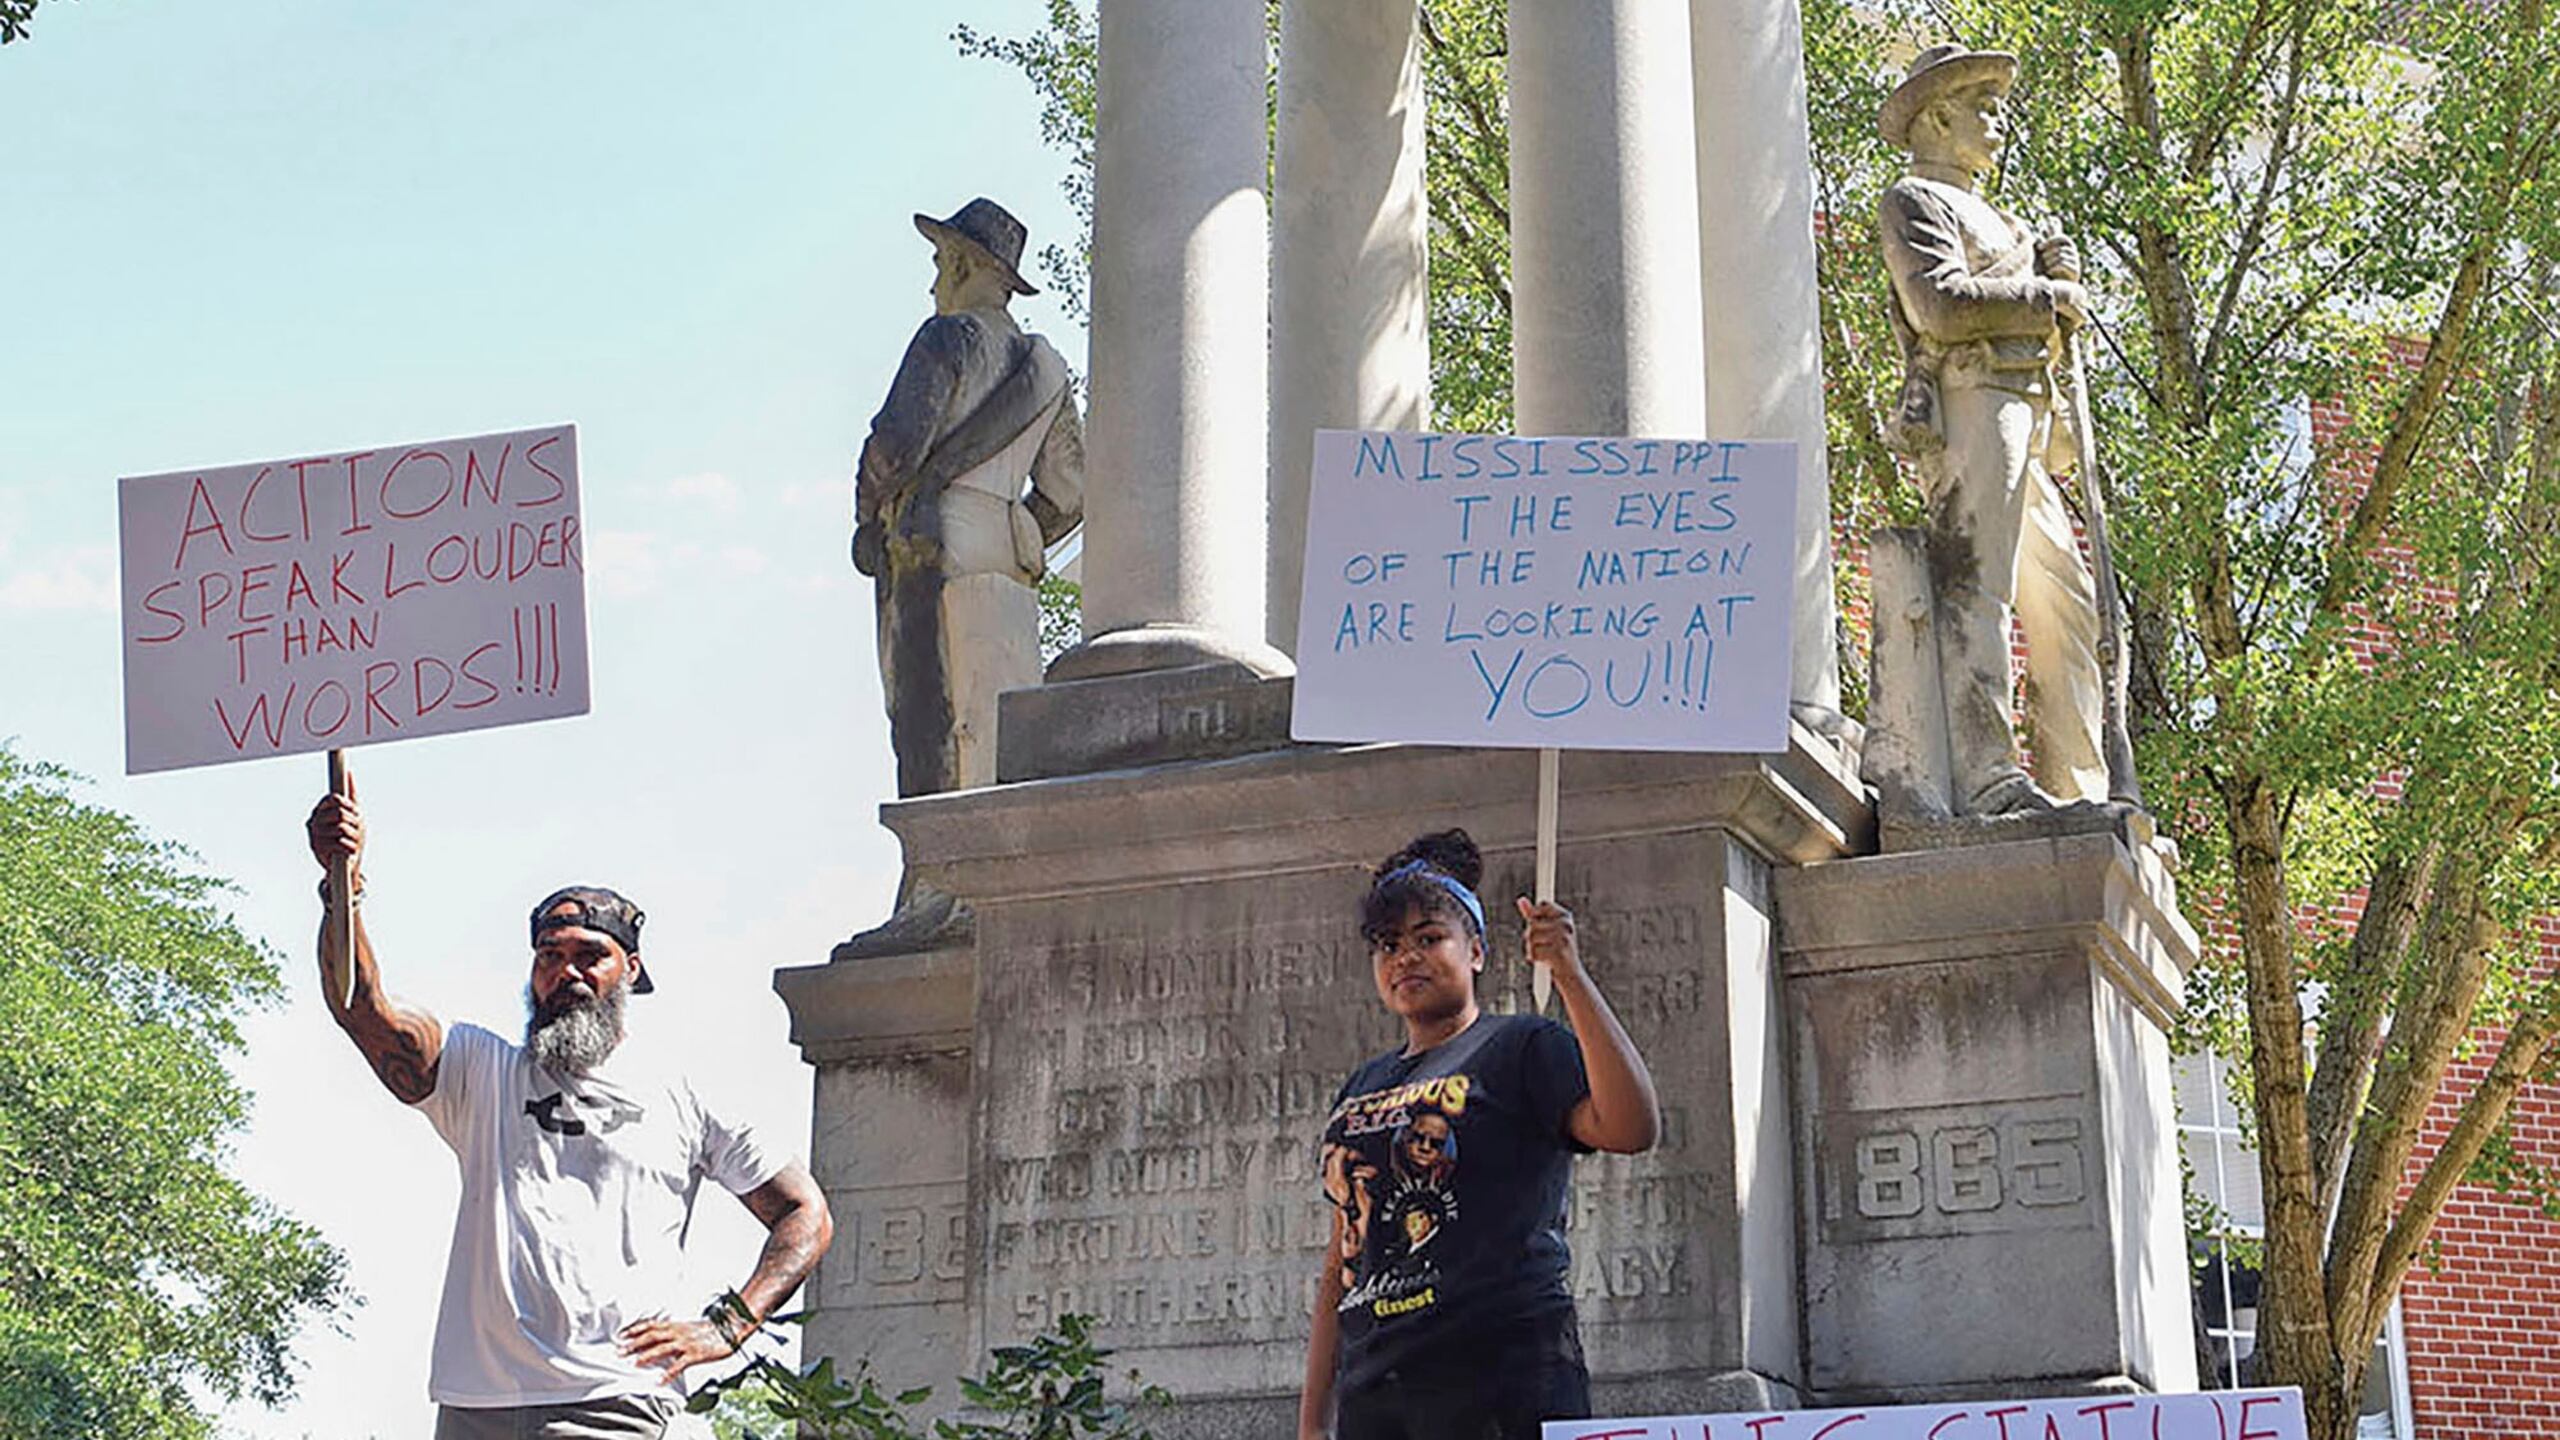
402	1043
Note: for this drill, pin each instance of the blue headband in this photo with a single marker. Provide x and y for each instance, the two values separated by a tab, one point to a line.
1426	870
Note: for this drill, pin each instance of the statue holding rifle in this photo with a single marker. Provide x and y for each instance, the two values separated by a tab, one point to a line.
1991	410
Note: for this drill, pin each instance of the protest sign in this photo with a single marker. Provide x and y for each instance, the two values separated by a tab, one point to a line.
2222	1415
1562	592
350	598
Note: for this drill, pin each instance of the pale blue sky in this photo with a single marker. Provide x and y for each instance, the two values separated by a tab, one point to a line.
273	227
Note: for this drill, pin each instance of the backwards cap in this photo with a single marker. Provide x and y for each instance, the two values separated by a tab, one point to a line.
607	912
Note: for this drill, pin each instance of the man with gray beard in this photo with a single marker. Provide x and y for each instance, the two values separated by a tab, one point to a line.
580	1159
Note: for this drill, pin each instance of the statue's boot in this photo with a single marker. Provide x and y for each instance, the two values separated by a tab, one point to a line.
2013	793
925	919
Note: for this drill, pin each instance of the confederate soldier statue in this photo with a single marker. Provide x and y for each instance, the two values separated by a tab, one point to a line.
1984	308
975	466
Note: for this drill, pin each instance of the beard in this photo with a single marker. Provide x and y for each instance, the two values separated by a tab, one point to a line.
572	1033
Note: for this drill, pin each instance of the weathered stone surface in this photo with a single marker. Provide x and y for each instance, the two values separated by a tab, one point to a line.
889	1145
1906	757
944	524
1982	303
1168	988
1150	717
1988	1179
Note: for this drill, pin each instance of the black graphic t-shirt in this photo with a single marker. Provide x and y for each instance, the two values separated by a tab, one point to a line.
1449	1170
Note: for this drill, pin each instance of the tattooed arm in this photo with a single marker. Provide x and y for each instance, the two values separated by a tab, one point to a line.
401	1042
797	1228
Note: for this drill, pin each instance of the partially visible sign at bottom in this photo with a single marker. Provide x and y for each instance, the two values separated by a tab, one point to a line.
2221	1415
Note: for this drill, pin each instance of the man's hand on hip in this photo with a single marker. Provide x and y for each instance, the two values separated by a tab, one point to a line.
673	1346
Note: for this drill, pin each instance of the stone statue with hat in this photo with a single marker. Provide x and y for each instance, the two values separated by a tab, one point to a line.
974	468
1983	308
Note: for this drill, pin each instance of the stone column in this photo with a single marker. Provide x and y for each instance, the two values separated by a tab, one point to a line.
1350	345
1605	326
1173	516
1763	309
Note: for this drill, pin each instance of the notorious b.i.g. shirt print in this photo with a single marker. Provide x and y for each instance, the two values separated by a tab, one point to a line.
1449	1170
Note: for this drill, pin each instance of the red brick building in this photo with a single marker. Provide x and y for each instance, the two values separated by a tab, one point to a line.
2480	1318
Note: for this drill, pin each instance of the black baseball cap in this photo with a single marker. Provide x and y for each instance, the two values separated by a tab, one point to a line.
607	912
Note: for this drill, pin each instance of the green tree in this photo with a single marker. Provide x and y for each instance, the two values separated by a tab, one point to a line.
136	1273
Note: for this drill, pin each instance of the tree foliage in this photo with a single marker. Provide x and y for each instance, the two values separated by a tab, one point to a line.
1061	62
15	16
136	1273
1061	615
2346	635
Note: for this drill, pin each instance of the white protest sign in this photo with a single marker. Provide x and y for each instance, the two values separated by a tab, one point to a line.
350	598
2221	1415
1565	591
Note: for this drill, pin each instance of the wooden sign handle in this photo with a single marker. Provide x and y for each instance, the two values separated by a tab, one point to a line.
1542	981
342	910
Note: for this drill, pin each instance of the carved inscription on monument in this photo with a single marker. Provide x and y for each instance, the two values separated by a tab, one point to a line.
1151	1111
1937	1170
897	1245
1151	1102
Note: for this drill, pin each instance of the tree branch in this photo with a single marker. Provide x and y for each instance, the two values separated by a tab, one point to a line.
2294	1324
1488	137
2235	83
2481	1115
2351	1021
1474	248
2449	346
2253	232
2452	967
2161	267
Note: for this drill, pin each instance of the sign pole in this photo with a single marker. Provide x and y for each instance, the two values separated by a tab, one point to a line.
1542	981
341	979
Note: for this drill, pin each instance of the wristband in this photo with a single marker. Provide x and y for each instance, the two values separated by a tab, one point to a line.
353	900
730	1316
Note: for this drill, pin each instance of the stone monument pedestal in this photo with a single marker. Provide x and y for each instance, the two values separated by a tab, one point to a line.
1108	1101
1990	1201
1918	1138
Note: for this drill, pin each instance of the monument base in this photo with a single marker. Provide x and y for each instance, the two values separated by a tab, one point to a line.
1990	1200
1108	1101
1918	1140
1152	717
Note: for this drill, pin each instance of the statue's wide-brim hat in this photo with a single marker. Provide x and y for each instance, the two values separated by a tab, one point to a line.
991	229
1936	71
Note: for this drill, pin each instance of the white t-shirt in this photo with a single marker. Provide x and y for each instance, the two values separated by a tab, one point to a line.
576	1194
